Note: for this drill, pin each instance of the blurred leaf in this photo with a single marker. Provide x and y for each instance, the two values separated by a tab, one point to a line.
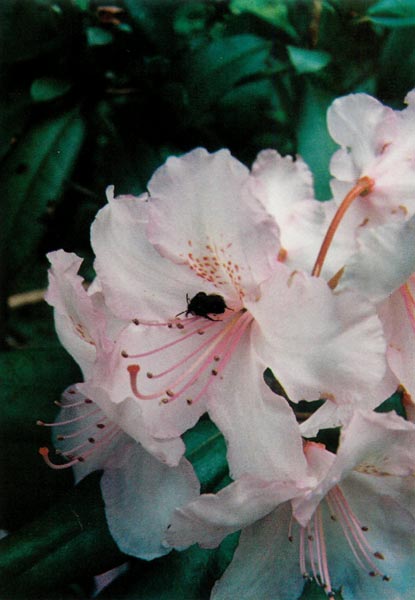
31	380
32	28
314	143
97	36
192	17
397	65
308	61
272	11
393	13
31	178
70	541
217	67
48	88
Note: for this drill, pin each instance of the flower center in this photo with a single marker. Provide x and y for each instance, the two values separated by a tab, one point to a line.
205	348
313	551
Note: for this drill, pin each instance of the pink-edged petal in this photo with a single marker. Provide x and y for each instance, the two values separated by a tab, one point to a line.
262	434
203	216
397	314
317	344
391	532
212	517
265	564
136	281
80	325
373	443
362	124
280	182
140	495
385	259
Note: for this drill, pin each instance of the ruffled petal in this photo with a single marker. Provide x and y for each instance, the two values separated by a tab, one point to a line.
212	517
280	182
204	216
79	323
140	494
265	564
374	443
362	124
318	345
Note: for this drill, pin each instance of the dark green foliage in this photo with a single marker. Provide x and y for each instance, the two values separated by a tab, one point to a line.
92	98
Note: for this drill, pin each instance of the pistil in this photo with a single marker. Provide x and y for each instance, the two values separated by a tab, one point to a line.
363	187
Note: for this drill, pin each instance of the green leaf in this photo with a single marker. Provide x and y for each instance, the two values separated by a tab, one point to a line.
46	89
67	543
217	67
308	61
30	29
32	178
397	76
206	450
272	11
31	380
393	13
97	36
314	142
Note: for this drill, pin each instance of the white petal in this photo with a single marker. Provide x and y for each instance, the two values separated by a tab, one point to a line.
212	517
262	434
136	281
358	122
203	215
397	314
318	345
127	414
78	322
265	564
391	531
140	494
280	182
384	261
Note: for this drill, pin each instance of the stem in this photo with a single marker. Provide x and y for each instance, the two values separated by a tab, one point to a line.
362	187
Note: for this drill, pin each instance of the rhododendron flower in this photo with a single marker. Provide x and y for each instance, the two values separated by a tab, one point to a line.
379	143
139	491
202	230
354	528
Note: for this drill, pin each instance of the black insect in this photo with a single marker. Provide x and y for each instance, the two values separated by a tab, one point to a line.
203	305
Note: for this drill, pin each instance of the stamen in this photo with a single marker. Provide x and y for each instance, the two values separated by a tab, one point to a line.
363	187
169	345
68	421
218	348
44	453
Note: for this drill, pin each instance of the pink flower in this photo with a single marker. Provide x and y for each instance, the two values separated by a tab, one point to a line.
350	522
202	230
139	490
379	143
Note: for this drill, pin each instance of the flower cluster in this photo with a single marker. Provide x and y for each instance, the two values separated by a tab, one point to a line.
213	276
